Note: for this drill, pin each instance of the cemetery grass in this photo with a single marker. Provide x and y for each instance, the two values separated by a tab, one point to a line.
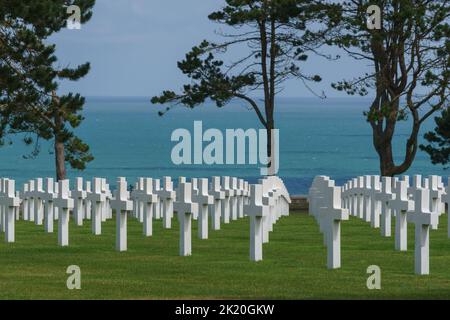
294	265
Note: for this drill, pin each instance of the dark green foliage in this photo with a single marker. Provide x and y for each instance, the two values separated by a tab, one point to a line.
439	140
277	36
29	76
410	61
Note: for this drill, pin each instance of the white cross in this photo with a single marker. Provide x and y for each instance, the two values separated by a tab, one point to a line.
423	219
360	197
88	201
49	197
122	205
226	202
31	190
64	203
354	197
375	189
270	201
38	203
219	196
446	199
10	202
184	208
157	204
79	195
367	214
233	199
203	199
401	205
168	195
25	196
148	198
256	210
385	196
435	194
241	194
332	214
97	197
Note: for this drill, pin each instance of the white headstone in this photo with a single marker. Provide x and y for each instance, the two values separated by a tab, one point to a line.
148	198
64	204
256	210
184	208
49	198
25	195
423	219
122	205
332	214
375	189
79	195
203	199
38	203
9	202
167	195
385	196
97	197
446	199
226	202
219	196
401	205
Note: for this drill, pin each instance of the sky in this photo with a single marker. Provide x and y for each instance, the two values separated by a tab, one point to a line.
134	45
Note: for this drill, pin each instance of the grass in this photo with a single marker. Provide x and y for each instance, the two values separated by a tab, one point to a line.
294	265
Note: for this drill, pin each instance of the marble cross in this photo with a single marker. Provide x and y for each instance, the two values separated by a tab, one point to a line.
79	195
97	197
422	218
148	198
446	199
25	195
401	205
367	198
229	193
375	189
167	195
256	210
184	208
203	199
38	202
49	198
219	196
122	205
64	203
10	202
385	196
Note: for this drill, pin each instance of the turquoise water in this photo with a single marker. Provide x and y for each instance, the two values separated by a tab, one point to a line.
128	138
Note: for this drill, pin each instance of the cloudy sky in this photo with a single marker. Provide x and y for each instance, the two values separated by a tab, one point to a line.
133	47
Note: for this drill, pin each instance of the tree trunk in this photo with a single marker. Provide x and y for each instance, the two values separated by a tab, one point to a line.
270	148
60	160
383	146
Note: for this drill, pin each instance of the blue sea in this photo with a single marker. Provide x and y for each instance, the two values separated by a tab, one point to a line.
128	138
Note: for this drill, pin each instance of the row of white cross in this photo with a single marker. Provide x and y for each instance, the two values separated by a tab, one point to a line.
225	198
375	199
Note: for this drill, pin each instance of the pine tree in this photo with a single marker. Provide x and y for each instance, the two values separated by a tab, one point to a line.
275	38
409	57
29	77
439	140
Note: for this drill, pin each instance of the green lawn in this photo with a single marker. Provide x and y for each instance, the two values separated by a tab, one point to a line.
294	265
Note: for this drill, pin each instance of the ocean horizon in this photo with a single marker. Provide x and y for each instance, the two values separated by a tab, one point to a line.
128	138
